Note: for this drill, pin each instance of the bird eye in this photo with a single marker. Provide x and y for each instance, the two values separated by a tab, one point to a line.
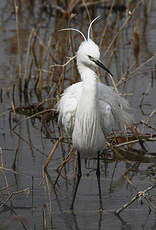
90	57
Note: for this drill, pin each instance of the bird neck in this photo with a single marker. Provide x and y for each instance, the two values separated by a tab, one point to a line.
86	72
89	91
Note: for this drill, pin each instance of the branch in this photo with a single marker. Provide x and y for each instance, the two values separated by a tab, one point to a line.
137	196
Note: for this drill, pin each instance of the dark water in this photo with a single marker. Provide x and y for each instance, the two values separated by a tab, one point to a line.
28	199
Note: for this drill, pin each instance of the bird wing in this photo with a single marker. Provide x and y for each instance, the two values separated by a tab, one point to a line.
106	117
67	106
114	110
117	110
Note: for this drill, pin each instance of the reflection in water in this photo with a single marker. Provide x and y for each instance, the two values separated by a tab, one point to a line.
31	82
124	224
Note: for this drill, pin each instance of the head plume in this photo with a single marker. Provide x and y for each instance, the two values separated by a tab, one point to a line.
74	30
89	29
90	25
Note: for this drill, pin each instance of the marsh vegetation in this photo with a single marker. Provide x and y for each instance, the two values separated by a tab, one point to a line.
37	63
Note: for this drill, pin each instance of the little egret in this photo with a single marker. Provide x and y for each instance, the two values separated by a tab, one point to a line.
89	110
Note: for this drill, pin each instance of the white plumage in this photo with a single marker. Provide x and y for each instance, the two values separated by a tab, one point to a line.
89	110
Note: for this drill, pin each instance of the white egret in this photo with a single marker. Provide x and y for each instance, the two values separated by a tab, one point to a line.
89	110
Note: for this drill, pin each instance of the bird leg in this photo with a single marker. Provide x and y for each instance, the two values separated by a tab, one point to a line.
98	180
79	174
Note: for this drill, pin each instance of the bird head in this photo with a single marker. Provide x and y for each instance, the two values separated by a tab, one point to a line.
88	53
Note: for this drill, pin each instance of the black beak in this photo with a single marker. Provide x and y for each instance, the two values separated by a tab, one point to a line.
100	64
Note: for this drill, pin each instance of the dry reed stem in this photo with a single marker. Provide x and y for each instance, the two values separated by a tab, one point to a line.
43	45
149	6
136	141
18	40
44	217
91	3
87	11
139	195
71	6
122	27
40	85
129	181
32	116
49	195
123	79
60	167
44	70
136	41
65	161
3	169
13	107
27	56
114	84
48	48
114	150
33	49
148	118
11	194
65	64
147	125
52	153
107	23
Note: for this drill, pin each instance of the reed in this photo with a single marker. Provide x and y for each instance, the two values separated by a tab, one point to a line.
49	66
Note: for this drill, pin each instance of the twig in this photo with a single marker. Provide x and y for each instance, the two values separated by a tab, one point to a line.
122	27
51	153
27	56
137	196
32	116
70	59
91	4
59	168
149	126
26	190
18	40
135	141
132	74
107	23
3	168
8	170
148	118
114	85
